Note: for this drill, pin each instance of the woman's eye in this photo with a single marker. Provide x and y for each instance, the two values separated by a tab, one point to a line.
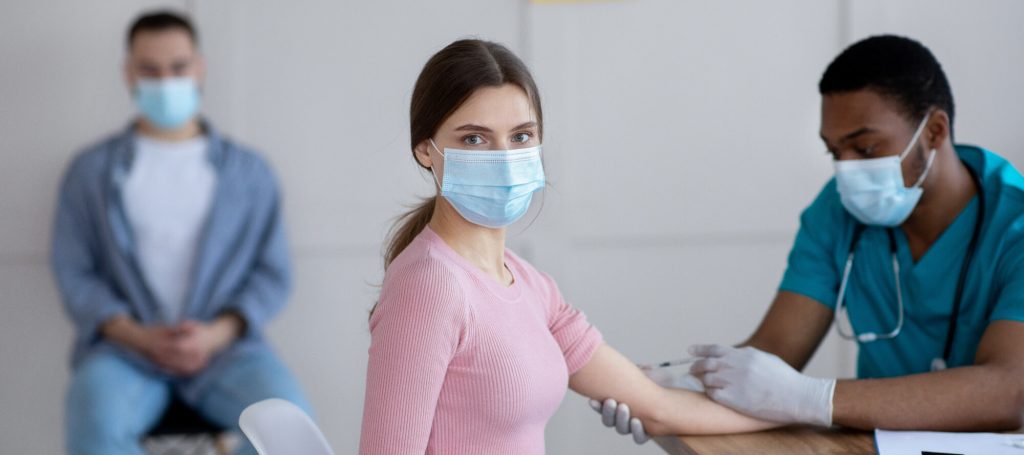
521	137
473	139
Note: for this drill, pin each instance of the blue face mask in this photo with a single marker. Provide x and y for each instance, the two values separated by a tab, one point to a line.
872	189
167	103
491	188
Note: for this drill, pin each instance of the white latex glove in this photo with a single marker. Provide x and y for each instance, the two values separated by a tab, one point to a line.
616	415
762	385
673	377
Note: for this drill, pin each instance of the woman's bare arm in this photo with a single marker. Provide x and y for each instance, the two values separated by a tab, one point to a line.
664	411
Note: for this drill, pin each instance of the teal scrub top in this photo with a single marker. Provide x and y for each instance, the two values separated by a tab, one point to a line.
994	288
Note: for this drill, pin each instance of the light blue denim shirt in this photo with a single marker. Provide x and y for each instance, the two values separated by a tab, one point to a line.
242	263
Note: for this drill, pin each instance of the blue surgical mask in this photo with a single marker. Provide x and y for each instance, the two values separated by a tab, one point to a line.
167	103
872	190
491	188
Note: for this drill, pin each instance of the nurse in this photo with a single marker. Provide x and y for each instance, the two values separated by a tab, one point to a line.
915	249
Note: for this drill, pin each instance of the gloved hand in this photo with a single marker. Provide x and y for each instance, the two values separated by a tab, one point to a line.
673	377
762	385
616	415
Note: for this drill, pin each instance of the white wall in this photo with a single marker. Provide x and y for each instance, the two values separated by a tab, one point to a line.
681	144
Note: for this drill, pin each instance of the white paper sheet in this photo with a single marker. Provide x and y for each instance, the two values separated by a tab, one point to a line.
915	442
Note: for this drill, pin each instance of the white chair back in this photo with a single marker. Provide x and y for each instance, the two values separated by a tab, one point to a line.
278	427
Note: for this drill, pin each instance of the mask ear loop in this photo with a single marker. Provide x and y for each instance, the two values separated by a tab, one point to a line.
910	146
927	168
432	173
916	136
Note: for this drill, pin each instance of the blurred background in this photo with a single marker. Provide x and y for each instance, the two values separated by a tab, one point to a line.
681	145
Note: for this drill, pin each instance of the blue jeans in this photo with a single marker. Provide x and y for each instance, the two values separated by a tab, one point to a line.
111	404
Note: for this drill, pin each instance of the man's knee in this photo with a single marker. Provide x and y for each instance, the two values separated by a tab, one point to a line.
109	402
277	381
258	376
95	393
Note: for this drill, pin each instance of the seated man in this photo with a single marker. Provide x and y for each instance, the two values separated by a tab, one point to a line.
170	255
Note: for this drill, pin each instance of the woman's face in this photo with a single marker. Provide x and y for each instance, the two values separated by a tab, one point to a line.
493	118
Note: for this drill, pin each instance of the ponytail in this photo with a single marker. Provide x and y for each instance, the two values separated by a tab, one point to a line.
406	228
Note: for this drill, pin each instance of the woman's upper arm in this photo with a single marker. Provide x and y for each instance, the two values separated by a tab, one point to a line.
417	328
576	337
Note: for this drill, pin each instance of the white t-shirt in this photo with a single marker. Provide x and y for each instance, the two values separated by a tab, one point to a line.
167	197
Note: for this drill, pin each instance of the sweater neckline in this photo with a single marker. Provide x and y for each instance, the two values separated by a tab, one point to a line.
510	292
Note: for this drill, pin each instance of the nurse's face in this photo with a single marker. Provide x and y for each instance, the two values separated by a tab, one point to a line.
863	124
493	118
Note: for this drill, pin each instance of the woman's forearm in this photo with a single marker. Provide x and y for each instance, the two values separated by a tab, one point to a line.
664	411
683	411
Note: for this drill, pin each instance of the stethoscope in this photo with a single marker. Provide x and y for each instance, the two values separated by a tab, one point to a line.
938	363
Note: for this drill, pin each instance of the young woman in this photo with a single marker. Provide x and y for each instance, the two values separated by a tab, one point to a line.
473	347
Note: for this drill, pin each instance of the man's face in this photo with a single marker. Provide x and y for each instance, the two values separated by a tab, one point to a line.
864	124
163	54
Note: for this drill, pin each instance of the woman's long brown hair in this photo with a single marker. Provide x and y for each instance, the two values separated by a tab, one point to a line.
448	79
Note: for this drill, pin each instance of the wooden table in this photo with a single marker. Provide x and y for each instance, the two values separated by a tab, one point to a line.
789	440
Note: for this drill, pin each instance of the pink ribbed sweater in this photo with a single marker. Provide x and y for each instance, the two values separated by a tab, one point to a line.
460	364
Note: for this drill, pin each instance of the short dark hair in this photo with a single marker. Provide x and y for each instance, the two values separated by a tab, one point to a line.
159	21
895	67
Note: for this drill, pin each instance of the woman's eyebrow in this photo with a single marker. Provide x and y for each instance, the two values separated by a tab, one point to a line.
472	127
484	129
